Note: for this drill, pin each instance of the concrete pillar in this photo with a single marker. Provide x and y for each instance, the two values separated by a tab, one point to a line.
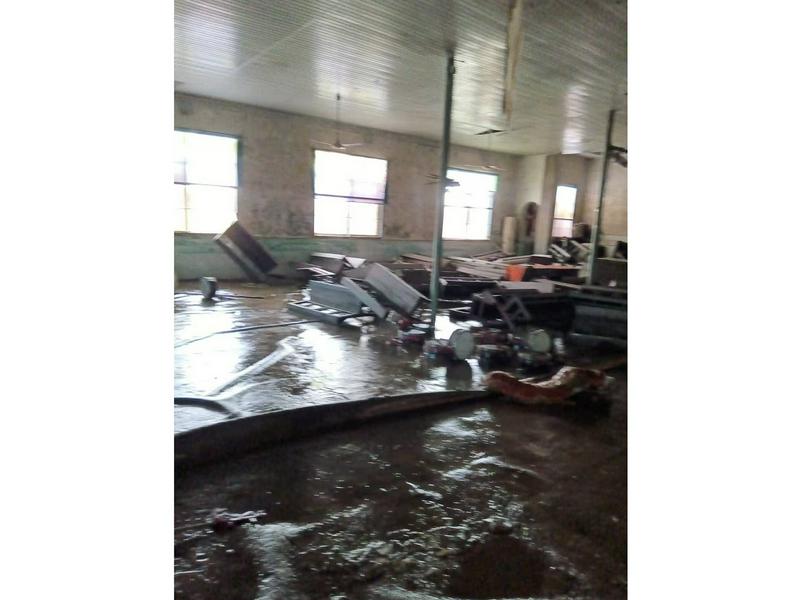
530	188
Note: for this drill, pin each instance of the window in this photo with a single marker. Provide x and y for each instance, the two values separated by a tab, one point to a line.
349	193
468	206
206	180
564	213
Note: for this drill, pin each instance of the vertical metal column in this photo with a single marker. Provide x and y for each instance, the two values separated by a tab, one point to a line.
437	229
599	210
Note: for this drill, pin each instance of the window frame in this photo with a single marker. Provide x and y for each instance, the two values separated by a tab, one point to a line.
354	199
574	209
239	169
491	210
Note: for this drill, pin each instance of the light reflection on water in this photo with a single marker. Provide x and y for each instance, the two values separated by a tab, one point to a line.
330	363
202	366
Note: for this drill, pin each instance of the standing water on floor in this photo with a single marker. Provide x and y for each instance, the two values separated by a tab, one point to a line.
329	363
487	500
494	501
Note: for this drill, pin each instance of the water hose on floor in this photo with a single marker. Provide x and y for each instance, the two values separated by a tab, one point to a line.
249	328
208	404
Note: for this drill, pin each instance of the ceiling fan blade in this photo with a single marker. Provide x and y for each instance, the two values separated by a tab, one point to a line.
484	167
448	182
499	132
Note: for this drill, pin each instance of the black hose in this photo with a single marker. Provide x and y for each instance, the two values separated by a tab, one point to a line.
222	295
208	404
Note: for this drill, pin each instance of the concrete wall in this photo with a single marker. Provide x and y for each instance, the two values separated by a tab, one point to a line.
276	196
584	173
544	215
530	188
614	226
560	169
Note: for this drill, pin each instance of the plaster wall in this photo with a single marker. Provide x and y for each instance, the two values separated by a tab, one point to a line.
614	225
276	201
530	188
276	189
277	157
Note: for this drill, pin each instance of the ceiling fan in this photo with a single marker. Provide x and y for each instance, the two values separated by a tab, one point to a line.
450	183
619	155
490	131
338	145
615	153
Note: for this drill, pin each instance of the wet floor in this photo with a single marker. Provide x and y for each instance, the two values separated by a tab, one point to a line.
488	500
328	363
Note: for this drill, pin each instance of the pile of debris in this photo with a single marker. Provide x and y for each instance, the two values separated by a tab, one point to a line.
342	288
503	322
460	276
498	290
499	300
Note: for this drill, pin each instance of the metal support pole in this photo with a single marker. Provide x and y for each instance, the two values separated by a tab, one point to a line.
437	228
599	210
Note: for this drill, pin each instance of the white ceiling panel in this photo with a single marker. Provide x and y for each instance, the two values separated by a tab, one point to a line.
387	60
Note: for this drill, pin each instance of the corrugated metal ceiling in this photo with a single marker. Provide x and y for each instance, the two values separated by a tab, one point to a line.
387	59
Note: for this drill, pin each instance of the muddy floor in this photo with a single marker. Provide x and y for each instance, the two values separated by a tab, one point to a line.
485	500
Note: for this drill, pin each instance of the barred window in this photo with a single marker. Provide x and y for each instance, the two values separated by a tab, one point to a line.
349	194
468	206
206	181
564	213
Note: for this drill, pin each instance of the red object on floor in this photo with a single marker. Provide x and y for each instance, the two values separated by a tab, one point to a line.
515	272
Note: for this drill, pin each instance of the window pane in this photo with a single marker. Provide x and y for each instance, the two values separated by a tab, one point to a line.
478	224
468	207
179	197
179	146
364	218
330	216
211	173
180	207
474	189
339	174
210	159
454	225
456	196
180	220
565	202
562	227
180	172
210	209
